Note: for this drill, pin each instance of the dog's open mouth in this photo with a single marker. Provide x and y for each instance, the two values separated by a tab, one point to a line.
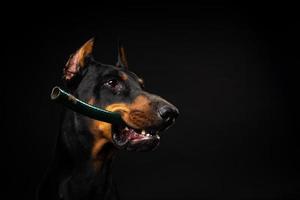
125	137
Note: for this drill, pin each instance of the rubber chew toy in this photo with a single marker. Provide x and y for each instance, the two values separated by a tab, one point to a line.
83	108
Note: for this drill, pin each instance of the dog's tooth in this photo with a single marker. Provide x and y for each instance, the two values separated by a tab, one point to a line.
143	132
126	128
157	136
148	135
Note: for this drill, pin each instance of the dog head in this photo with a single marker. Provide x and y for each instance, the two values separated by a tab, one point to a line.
116	89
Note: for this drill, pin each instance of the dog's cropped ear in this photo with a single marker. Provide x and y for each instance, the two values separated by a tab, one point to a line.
122	58
77	60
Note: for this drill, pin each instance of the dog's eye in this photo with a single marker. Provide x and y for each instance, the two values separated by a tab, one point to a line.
113	84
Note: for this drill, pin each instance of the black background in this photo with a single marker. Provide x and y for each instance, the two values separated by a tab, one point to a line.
231	70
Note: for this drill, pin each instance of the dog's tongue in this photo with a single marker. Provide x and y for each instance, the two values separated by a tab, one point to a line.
131	134
138	140
126	135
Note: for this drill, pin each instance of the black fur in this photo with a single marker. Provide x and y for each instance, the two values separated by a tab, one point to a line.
71	175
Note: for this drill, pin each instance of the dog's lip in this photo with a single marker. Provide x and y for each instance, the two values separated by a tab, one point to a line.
126	137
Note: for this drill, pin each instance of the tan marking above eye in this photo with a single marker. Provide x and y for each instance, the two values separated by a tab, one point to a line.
123	76
141	81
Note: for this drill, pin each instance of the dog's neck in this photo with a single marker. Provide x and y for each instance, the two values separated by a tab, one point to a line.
87	174
81	143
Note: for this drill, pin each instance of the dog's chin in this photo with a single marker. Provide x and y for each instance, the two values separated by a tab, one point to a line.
130	139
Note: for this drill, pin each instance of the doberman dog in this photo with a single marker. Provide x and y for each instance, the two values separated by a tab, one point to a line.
81	168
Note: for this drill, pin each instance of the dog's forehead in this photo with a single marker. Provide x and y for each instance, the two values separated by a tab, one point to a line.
124	74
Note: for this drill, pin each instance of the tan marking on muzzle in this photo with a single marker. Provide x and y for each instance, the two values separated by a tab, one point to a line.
141	114
138	114
135	115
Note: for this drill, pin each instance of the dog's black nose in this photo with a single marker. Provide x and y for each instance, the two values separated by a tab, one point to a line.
168	114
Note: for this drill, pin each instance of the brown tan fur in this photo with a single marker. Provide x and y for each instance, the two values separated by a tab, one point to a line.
123	76
137	115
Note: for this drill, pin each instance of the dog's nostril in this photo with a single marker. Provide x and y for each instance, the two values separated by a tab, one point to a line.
168	114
